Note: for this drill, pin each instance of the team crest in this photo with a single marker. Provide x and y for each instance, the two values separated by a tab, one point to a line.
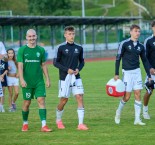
28	95
38	54
66	50
76	50
129	46
138	48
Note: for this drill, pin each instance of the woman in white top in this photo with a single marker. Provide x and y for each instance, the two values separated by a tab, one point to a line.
12	80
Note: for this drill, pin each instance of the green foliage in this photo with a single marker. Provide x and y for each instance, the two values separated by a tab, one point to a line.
18	7
49	7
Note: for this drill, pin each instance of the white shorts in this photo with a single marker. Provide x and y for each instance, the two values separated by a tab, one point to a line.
153	78
1	90
77	89
132	80
12	81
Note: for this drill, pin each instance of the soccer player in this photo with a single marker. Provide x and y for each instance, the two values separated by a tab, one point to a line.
69	60
129	51
149	45
31	66
3	72
3	55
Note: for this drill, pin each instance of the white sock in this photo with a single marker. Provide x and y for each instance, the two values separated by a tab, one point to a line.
25	122
145	109
43	123
137	106
59	114
121	106
80	112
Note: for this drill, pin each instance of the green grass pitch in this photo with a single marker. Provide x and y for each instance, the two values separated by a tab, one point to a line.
99	115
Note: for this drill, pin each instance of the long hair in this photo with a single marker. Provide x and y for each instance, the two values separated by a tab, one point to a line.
14	57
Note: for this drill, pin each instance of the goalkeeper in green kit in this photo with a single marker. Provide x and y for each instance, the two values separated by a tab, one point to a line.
31	67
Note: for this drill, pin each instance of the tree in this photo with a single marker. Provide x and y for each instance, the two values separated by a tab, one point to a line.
17	7
49	7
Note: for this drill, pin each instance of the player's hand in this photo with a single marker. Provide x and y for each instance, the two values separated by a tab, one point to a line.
1	79
1	56
17	75
152	71
23	83
76	71
48	83
116	77
70	71
149	79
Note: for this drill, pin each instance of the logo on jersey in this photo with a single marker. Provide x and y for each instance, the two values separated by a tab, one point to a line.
28	95
66	50
26	60
2	66
129	46
38	54
138	48
76	50
26	54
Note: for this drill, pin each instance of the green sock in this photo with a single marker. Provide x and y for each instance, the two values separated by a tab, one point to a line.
42	114
25	115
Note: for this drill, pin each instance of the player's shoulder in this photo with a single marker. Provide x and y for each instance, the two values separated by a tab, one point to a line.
124	42
148	39
61	45
40	48
141	44
22	48
77	45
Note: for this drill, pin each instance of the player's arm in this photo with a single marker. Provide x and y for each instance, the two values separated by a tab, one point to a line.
147	52
3	54
20	66
56	60
20	71
145	63
118	59
46	74
81	62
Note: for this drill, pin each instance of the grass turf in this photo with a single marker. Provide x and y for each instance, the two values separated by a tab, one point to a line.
99	116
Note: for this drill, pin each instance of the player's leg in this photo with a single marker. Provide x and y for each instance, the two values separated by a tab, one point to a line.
59	112
1	95
78	92
137	106
146	99
2	100
145	105
62	102
121	105
137	93
27	96
40	94
127	79
80	112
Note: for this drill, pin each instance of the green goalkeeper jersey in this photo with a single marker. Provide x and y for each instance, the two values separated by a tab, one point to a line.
32	59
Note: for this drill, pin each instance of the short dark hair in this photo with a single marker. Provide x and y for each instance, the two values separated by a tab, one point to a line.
134	26
69	28
153	23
